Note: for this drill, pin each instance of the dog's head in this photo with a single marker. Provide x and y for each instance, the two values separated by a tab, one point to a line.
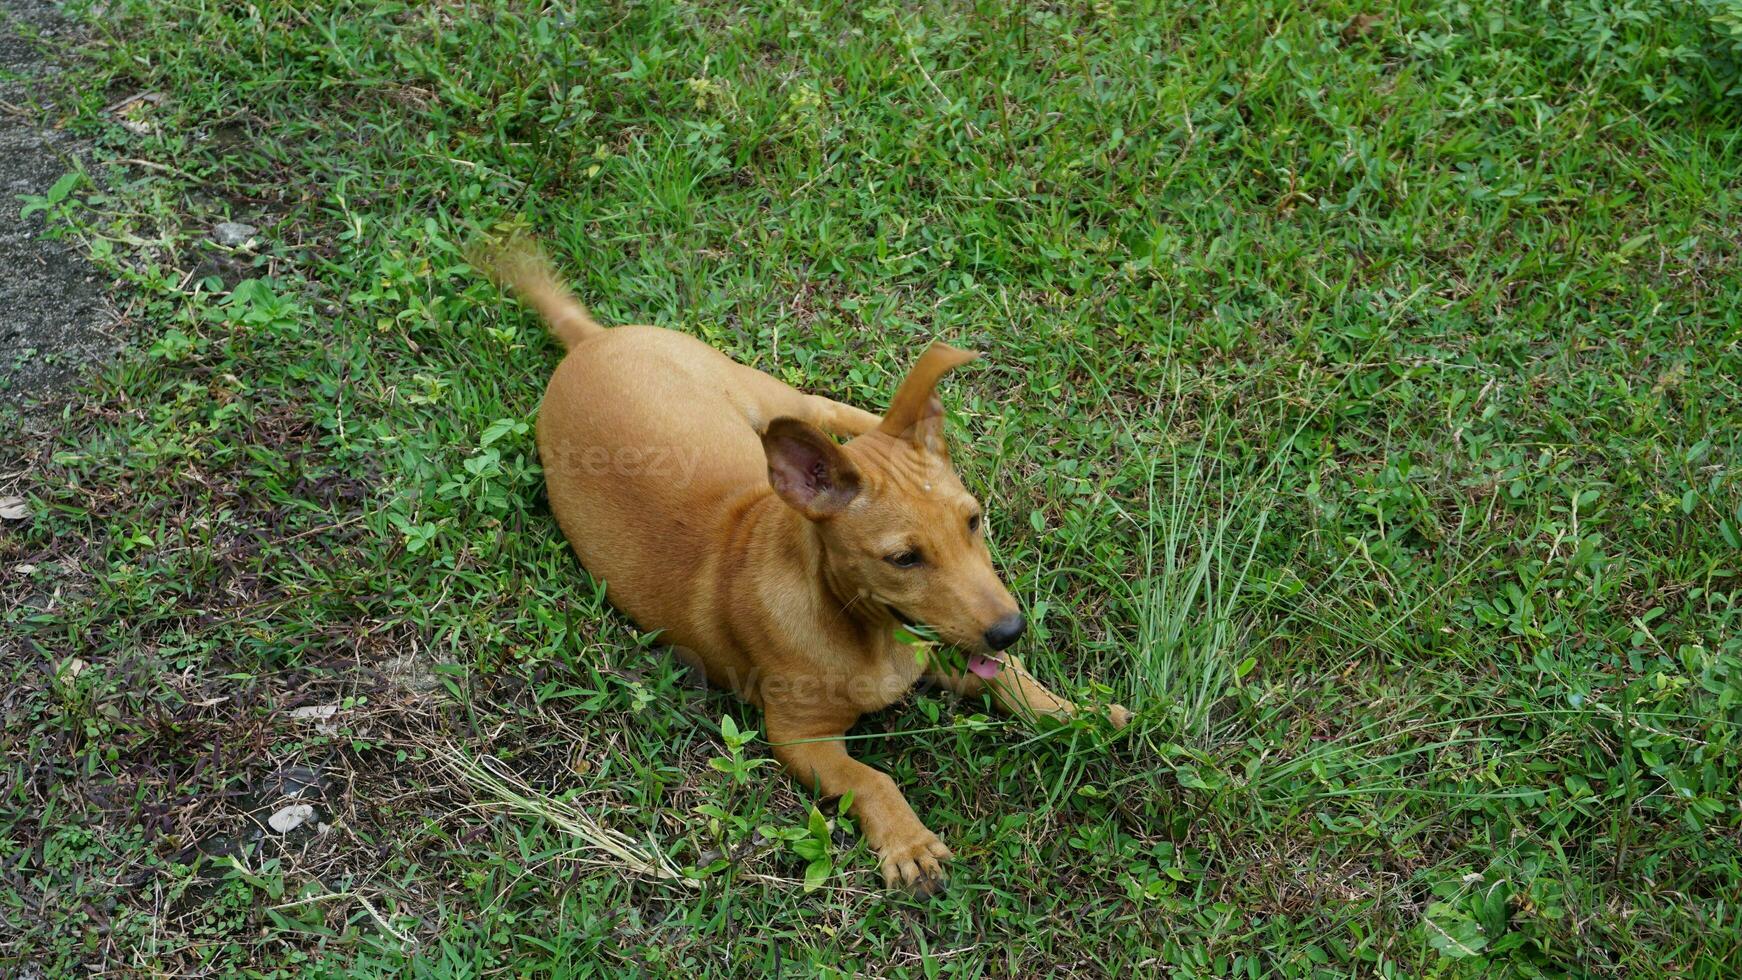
899	532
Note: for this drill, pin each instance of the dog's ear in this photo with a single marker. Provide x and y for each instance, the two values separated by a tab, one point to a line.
808	469
916	414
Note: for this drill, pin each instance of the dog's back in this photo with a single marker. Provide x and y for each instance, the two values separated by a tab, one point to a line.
655	469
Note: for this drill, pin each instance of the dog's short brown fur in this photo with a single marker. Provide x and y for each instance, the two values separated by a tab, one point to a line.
777	558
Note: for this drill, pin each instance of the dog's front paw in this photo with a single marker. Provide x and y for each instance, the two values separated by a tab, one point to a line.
916	864
1119	716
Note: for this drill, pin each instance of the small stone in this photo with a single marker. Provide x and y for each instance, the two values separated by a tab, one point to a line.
234	234
291	817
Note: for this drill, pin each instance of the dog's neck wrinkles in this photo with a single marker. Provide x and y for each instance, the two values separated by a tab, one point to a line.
847	620
846	602
798	541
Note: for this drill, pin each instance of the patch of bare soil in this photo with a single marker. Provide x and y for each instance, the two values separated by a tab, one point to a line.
54	313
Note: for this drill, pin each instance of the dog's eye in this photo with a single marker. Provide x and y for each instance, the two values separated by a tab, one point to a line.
905	559
973	523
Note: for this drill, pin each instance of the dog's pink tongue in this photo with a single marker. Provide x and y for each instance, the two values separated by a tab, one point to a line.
984	666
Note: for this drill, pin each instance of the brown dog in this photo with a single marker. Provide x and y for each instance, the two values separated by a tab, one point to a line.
715	506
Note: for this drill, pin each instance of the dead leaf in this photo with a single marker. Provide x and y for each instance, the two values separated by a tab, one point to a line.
320	715
14	508
132	112
69	670
1361	26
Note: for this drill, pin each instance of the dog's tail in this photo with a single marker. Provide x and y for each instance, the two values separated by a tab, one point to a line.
519	264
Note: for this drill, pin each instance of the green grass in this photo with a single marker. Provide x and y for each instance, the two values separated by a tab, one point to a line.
1360	408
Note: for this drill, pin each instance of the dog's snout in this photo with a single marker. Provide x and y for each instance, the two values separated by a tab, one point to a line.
1004	632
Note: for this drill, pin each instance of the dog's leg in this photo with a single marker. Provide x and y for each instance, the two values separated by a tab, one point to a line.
837	418
910	854
1015	691
768	399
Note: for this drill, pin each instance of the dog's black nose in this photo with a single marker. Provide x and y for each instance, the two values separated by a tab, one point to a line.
1004	632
